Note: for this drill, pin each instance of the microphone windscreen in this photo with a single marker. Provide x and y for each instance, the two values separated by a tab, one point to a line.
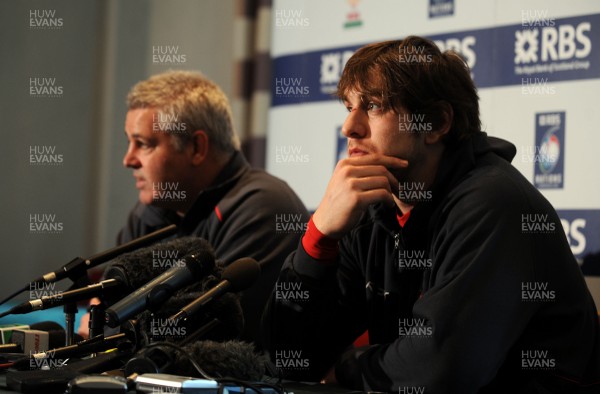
232	359
137	268
241	274
154	326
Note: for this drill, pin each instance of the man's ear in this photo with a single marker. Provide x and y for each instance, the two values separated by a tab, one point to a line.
199	147
446	117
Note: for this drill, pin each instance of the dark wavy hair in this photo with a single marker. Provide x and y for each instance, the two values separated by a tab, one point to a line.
414	75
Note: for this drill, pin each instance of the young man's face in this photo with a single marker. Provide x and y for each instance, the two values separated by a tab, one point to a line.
369	130
155	161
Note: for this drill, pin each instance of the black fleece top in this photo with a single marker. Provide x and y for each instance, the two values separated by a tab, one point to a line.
238	216
493	302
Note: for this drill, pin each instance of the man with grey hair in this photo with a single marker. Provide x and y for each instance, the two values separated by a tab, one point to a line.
189	171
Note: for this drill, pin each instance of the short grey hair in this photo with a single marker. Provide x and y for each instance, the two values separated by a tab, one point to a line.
194	101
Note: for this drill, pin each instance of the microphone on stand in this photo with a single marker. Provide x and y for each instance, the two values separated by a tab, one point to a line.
78	266
128	339
137	268
84	293
154	293
237	276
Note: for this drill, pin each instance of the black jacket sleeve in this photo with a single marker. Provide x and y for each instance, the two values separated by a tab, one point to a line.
316	311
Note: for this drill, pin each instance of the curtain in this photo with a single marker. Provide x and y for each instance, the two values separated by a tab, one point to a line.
252	87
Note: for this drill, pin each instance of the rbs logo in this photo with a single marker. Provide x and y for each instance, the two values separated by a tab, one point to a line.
552	43
332	65
575	235
464	47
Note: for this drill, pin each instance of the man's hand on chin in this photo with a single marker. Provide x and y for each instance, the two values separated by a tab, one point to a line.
356	183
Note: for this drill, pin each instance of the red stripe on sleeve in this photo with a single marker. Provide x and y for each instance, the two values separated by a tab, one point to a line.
319	246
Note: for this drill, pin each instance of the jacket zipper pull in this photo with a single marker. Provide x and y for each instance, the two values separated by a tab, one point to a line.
397	240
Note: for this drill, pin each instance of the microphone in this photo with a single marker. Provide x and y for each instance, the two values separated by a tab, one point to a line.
237	276
137	268
79	349
66	297
78	266
160	289
234	359
226	312
39	336
7	329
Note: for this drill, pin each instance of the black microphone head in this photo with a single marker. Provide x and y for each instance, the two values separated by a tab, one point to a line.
234	359
137	268
200	263
46	326
227	309
241	274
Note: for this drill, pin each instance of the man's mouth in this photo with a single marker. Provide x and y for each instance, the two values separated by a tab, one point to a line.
139	182
355	152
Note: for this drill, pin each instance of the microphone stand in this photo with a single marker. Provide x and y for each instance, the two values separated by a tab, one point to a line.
70	309
96	324
79	266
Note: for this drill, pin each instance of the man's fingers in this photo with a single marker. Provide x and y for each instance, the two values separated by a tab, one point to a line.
372	171
374	196
370	183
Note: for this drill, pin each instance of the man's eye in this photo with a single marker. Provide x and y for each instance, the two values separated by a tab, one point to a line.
140	144
373	107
